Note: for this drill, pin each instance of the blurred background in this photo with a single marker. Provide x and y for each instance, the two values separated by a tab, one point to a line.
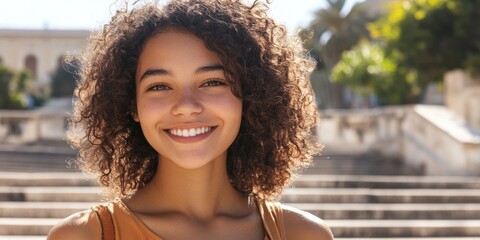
397	86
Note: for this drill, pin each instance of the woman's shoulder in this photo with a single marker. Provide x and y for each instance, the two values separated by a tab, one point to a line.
83	225
303	225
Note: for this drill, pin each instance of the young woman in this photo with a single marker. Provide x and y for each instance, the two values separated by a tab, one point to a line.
193	116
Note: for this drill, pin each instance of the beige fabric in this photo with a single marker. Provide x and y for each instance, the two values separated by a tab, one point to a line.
128	226
272	218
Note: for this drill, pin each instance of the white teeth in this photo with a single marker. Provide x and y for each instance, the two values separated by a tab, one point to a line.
192	132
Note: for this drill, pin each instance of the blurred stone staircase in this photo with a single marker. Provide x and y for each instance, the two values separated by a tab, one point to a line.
31	203
391	207
361	164
367	197
357	206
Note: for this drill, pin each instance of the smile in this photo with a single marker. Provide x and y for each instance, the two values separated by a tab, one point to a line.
192	132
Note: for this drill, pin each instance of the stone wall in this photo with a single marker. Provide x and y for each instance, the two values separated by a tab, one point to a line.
438	141
427	137
462	96
46	123
364	130
46	46
20	127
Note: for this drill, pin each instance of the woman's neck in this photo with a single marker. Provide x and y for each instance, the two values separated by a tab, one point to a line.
203	193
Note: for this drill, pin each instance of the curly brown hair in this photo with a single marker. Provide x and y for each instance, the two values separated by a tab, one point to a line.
267	68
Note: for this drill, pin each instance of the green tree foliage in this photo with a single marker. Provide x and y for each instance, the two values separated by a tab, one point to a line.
473	65
6	76
331	33
414	45
433	36
367	70
13	87
64	80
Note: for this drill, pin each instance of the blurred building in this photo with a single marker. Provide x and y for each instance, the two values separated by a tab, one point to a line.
39	51
377	7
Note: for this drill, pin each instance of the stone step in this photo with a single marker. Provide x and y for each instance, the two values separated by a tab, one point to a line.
404	228
369	181
50	194
391	211
26	226
42	209
45	179
347	169
367	195
22	237
48	161
363	164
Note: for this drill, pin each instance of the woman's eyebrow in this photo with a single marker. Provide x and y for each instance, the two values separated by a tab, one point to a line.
209	68
155	72
163	72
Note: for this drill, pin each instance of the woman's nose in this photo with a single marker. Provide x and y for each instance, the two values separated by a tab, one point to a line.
187	103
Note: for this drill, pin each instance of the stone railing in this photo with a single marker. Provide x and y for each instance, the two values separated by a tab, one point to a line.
426	137
29	126
441	142
462	95
360	131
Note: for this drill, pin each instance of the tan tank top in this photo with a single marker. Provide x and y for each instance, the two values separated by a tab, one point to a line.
129	226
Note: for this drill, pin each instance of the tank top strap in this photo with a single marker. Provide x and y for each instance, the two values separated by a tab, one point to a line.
272	217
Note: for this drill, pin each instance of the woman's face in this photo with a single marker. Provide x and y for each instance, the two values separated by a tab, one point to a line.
184	104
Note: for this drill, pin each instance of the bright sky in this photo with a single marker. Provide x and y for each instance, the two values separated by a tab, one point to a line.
91	14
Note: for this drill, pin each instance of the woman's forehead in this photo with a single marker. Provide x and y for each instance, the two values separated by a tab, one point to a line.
175	50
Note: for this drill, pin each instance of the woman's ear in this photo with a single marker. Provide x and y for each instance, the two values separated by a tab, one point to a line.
134	112
135	116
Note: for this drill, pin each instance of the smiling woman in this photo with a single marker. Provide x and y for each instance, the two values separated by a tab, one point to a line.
193	94
194	116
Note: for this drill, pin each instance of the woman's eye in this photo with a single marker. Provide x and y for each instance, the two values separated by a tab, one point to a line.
214	83
159	87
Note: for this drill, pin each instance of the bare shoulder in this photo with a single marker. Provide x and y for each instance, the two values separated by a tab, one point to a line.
303	225
79	226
